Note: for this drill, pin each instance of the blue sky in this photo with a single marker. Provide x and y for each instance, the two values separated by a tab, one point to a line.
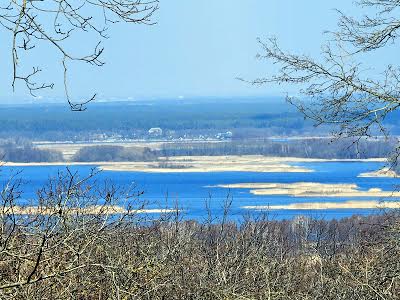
197	49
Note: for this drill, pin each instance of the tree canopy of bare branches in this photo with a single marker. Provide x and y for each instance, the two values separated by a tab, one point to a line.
340	88
79	239
54	23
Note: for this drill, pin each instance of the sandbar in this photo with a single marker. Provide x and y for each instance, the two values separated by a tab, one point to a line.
329	205
384	172
201	164
185	164
276	159
311	189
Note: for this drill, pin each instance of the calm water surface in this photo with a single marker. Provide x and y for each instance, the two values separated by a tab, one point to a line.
191	190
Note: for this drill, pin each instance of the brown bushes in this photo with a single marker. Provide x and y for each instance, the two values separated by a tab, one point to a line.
67	253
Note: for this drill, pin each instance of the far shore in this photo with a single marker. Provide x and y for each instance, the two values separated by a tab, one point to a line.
185	164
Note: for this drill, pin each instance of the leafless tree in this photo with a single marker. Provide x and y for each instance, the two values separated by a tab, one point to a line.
339	88
55	23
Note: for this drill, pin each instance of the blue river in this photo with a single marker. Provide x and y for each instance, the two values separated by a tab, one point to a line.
192	192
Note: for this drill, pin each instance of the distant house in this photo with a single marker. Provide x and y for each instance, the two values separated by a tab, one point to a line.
229	134
156	131
224	135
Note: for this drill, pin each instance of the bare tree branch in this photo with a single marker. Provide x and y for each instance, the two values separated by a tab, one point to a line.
55	23
338	88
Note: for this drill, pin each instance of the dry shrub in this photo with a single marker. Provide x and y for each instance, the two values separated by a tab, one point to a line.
68	253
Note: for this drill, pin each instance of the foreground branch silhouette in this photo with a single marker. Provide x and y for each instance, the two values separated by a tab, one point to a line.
56	23
339	88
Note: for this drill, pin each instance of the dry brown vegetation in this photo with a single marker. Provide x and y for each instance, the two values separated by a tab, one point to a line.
66	252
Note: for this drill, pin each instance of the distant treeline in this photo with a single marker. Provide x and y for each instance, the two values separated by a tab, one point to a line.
23	151
245	118
58	123
310	148
114	153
